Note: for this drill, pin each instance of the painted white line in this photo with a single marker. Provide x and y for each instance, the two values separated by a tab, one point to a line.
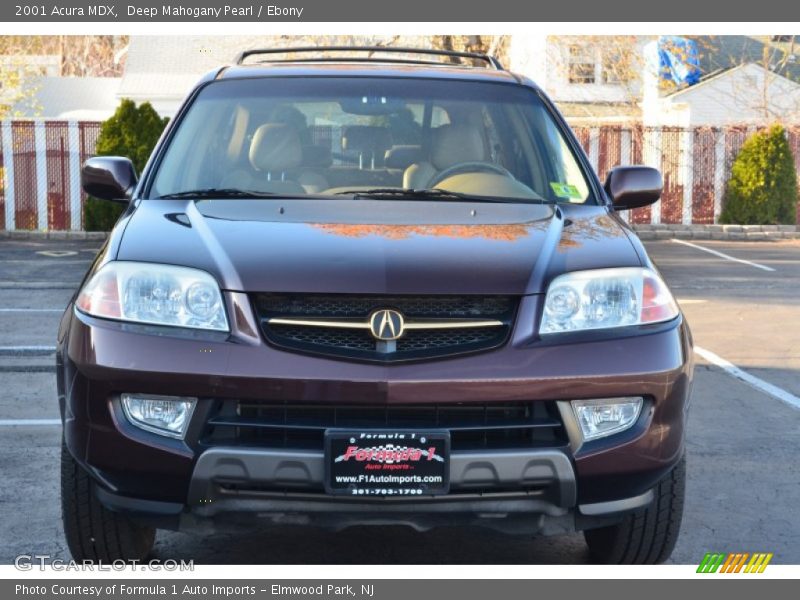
27	350
24	422
38	285
751	380
691	301
57	253
35	310
45	261
723	255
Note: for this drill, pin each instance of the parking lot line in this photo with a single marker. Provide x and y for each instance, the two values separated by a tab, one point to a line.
44	261
24	422
723	255
26	350
751	380
24	310
38	285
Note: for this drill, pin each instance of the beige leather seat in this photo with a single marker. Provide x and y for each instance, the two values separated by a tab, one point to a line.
276	157
274	150
369	141
450	145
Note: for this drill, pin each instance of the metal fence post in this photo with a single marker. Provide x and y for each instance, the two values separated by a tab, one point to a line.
687	150
719	172
653	156
40	146
625	152
594	148
8	176
74	150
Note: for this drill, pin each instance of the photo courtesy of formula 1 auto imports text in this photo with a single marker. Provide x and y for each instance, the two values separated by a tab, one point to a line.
367	300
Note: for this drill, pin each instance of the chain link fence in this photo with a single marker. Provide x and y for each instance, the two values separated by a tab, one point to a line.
40	168
695	162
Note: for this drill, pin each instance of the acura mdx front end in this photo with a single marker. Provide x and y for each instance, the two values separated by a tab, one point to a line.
353	293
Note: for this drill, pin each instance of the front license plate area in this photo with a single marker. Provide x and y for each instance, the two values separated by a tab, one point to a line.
390	463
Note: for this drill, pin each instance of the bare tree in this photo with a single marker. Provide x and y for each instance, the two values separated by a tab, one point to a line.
496	46
779	60
22	63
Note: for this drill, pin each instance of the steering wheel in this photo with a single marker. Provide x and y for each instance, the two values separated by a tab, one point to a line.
469	167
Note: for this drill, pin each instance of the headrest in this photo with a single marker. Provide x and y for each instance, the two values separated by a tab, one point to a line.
454	144
366	138
319	157
275	147
400	157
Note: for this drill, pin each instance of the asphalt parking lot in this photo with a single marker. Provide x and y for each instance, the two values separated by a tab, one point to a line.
743	437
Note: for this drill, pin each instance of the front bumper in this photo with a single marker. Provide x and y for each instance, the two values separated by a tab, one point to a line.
225	484
183	483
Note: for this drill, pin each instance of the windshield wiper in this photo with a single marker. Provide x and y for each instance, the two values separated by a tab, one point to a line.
222	193
429	194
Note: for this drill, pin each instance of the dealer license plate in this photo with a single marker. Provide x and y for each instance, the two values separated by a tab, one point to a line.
387	462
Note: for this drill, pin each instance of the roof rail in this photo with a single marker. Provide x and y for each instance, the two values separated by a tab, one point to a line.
490	61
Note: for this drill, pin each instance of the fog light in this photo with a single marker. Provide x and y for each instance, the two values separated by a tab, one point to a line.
606	416
164	415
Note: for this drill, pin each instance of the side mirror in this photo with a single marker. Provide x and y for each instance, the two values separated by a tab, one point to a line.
109	178
632	187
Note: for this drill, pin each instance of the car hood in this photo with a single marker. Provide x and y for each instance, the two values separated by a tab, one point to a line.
376	246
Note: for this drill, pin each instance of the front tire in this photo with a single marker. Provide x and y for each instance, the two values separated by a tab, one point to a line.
93	532
646	537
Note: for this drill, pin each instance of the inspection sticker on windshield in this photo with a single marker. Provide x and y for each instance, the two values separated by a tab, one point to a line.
565	190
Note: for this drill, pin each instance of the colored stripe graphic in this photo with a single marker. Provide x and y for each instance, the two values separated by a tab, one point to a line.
734	562
711	562
758	563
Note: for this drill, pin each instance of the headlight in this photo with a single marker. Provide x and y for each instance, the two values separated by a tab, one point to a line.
164	415
600	418
153	293
606	298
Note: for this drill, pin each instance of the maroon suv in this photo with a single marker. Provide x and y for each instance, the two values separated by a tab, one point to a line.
354	288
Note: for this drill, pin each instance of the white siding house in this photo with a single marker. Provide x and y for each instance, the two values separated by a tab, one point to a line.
606	79
584	74
79	98
746	94
163	69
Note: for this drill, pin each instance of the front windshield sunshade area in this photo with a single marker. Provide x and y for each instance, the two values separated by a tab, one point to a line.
357	135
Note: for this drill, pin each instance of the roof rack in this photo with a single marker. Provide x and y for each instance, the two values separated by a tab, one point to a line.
489	61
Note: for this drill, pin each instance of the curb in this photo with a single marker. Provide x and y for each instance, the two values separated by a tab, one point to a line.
754	233
54	235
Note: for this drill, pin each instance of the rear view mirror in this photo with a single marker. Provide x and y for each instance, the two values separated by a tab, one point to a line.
109	178
632	187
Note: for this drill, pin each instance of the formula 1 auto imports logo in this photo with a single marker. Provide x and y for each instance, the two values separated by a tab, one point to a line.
388	454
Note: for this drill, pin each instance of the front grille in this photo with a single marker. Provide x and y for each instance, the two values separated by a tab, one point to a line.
359	344
320	305
472	426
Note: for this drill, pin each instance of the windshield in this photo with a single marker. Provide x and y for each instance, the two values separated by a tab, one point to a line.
374	137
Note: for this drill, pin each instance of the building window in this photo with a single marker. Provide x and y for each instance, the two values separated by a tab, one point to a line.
581	64
590	64
614	68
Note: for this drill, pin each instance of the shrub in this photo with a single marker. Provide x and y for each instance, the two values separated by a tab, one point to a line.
132	131
762	189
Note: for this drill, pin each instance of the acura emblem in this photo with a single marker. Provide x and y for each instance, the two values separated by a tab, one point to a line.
386	324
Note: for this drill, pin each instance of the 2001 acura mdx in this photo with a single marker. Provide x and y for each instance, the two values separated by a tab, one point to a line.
372	288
